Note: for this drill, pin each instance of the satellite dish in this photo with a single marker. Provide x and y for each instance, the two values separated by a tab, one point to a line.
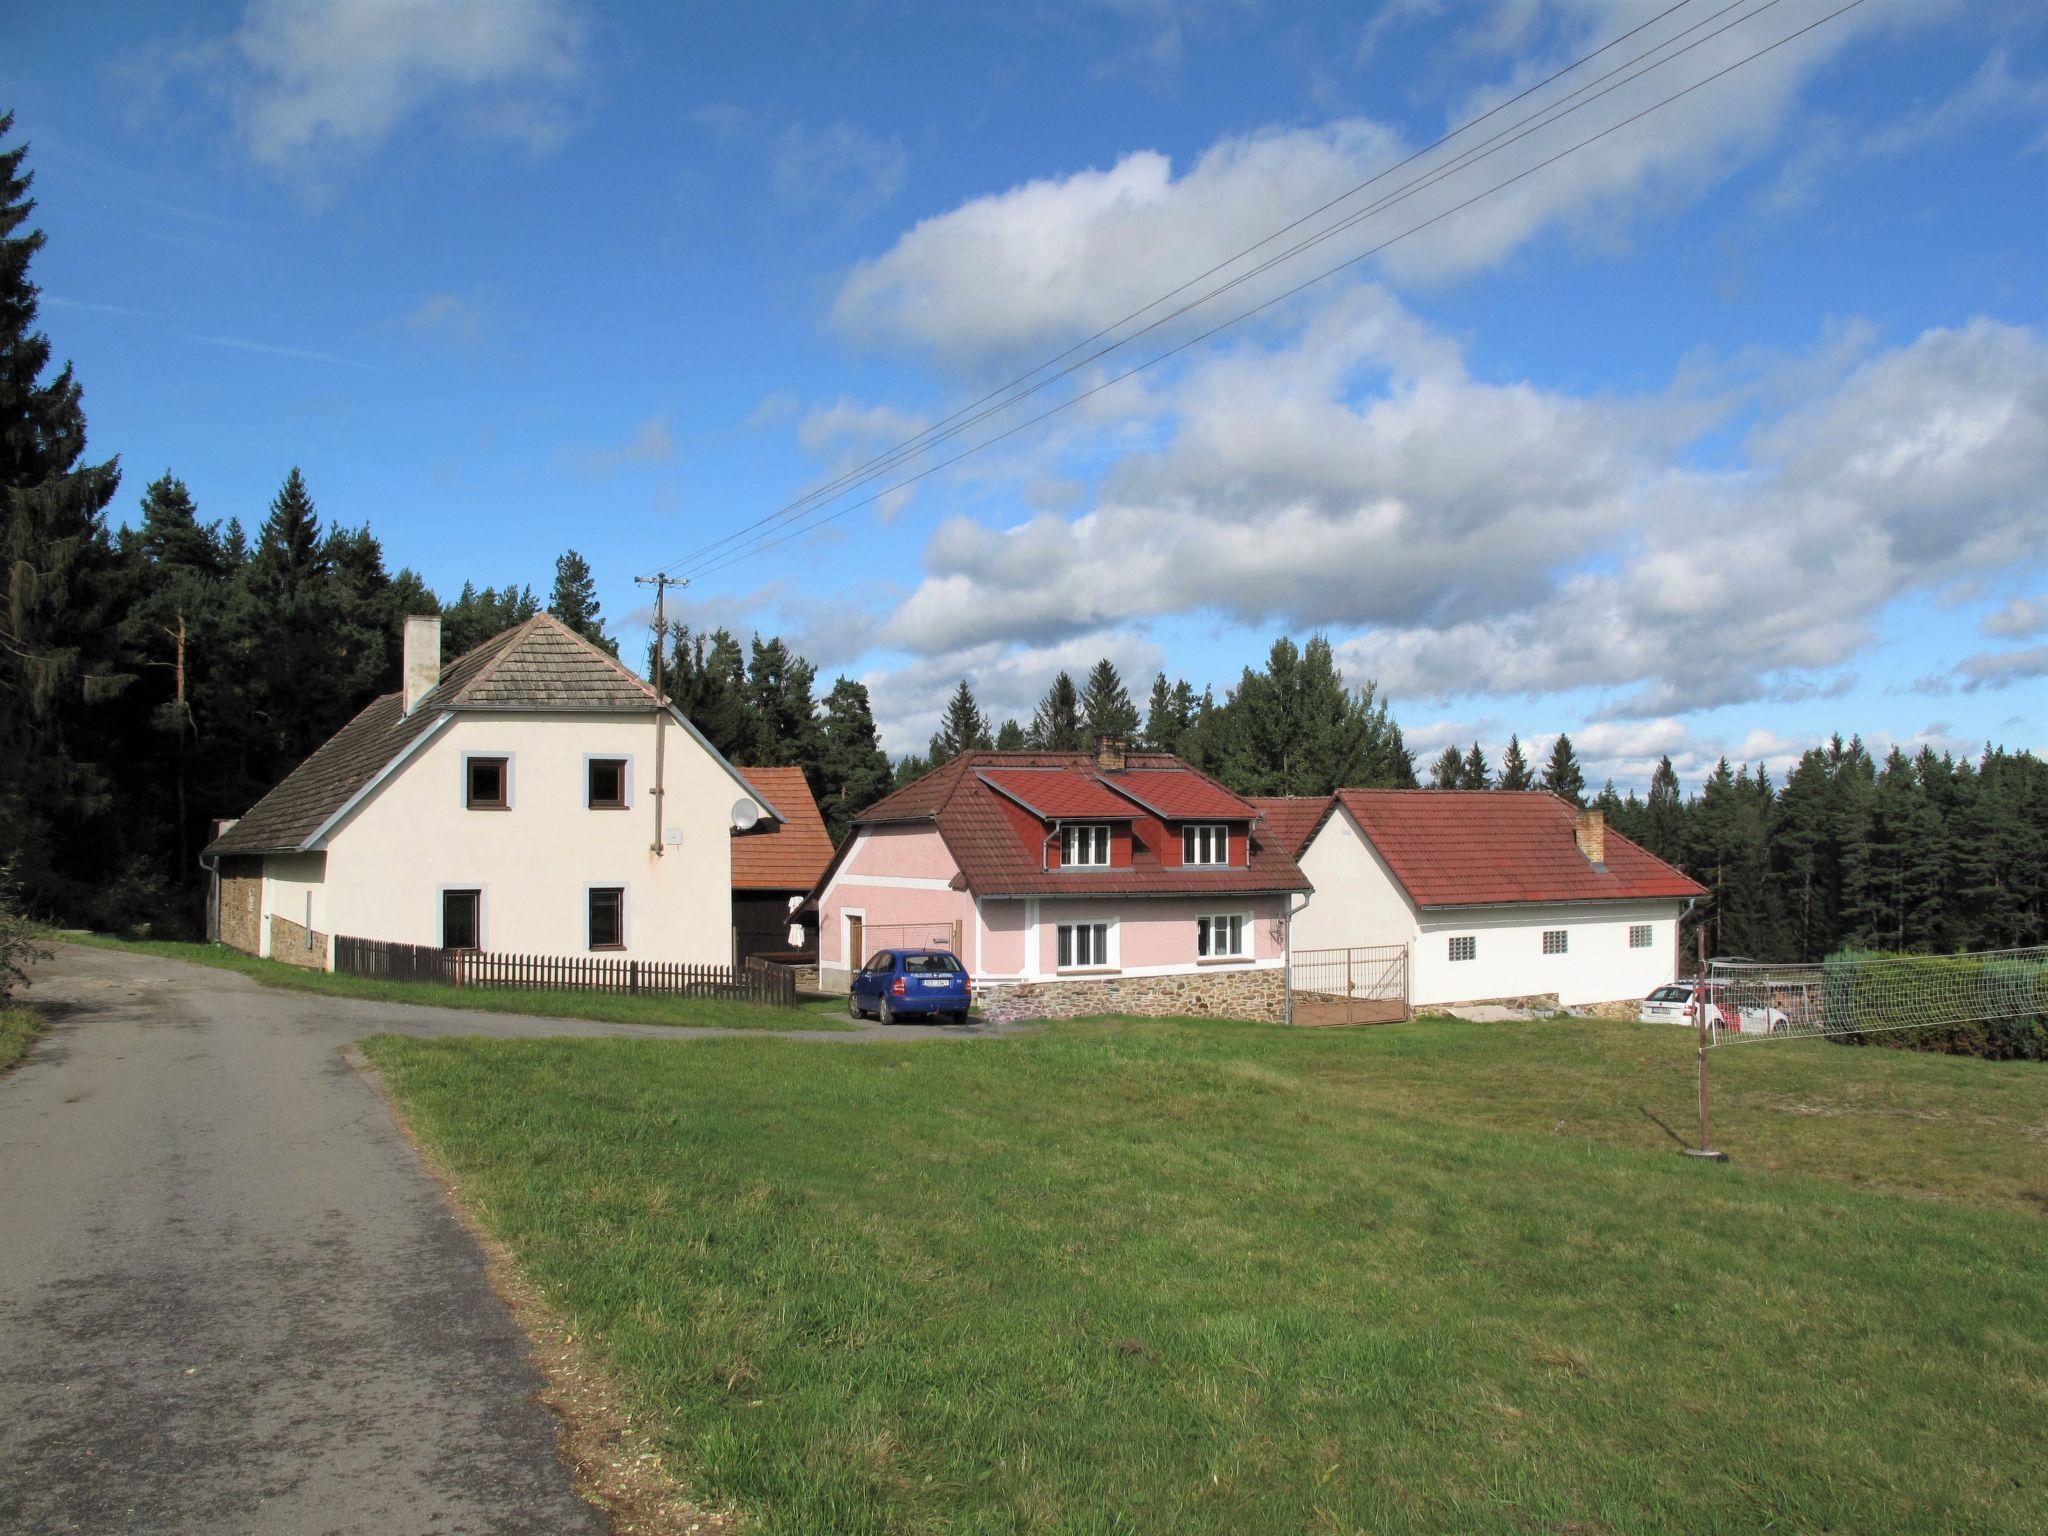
745	815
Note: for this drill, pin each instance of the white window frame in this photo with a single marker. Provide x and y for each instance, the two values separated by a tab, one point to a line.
625	781
462	788
1243	949
1642	935
1193	835
1107	961
1097	833
1471	943
1564	941
625	890
483	907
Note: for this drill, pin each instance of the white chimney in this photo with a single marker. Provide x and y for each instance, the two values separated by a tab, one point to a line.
422	656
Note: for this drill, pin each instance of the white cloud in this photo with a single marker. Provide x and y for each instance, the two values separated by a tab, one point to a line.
1008	681
839	163
452	317
2020	619
650	442
309	80
1047	262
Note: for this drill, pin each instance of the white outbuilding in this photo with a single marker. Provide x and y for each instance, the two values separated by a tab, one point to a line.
1495	895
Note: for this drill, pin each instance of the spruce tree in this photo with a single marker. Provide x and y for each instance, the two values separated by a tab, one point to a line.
1664	815
1010	738
1475	773
1056	723
853	770
964	728
1561	775
56	591
573	600
1448	772
1515	773
1163	723
783	713
1106	708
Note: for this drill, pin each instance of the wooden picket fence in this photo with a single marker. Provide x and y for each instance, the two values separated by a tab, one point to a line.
756	982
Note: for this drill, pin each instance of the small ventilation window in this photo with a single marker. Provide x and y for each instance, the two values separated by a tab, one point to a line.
1464	947
1639	936
1556	941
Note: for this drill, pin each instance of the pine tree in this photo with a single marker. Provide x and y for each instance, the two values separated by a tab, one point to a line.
574	600
1165	719
1010	738
706	679
1476	774
1056	723
1448	771
290	556
1515	773
1561	775
909	769
1106	709
478	613
964	728
783	713
853	770
1664	814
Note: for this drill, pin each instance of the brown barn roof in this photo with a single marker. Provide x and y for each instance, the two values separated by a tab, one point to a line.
540	664
1463	848
788	855
995	860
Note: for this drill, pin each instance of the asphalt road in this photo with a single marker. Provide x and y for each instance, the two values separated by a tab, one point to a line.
230	1298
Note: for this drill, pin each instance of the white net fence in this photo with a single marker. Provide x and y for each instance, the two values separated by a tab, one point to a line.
1874	994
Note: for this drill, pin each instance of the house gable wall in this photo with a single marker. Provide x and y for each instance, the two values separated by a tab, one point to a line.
1356	900
391	858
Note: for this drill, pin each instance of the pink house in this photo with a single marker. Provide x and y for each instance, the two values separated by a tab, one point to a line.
1070	884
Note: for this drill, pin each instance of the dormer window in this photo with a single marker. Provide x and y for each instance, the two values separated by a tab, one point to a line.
1085	847
1209	844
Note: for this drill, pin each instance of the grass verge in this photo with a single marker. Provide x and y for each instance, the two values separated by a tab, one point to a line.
20	1026
1147	1276
603	1007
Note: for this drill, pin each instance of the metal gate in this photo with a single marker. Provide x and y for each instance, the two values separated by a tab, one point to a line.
1367	985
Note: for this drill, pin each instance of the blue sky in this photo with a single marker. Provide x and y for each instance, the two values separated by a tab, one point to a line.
1722	433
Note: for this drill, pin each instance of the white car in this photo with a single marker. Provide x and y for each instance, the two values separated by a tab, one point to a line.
1674	1005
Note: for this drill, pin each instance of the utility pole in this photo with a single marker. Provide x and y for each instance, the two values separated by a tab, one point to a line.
183	719
661	581
1700	995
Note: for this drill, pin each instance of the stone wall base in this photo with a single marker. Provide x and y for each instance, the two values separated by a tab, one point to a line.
1257	995
288	944
241	903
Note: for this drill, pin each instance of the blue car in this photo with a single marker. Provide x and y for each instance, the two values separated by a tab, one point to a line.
911	983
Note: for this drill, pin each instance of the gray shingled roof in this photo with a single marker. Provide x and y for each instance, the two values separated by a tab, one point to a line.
540	664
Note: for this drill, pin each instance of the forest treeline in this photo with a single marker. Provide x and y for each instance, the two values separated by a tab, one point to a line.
158	675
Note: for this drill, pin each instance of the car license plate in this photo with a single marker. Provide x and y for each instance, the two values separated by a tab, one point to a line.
935	982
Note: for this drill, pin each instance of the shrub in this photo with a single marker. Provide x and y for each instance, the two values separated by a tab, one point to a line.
1960	1005
18	936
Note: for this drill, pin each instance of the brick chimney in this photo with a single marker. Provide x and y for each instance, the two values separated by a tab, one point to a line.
422	656
1112	753
1590	829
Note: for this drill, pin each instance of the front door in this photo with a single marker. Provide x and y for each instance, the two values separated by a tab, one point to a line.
856	949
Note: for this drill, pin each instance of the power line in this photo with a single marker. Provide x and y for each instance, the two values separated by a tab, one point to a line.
1469	157
915	443
765	544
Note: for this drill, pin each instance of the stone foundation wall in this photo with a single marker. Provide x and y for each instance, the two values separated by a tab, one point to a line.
1623	1008
241	904
1219	994
288	944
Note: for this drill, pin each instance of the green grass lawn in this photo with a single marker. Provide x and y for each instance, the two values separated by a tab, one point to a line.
19	1027
1200	1277
605	1007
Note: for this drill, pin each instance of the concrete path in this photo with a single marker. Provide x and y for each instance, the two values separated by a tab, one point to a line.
230	1298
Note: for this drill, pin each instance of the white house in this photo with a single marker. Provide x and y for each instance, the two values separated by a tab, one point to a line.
534	797
1496	895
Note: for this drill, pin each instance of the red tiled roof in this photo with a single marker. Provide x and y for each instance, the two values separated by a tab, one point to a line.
1180	793
1049	792
788	855
995	861
1461	848
1291	820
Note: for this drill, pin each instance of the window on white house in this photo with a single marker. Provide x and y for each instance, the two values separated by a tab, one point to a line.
487	784
1220	937
1083	945
1464	947
607	917
1555	941
1205	845
1085	846
606	784
462	919
1638	935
